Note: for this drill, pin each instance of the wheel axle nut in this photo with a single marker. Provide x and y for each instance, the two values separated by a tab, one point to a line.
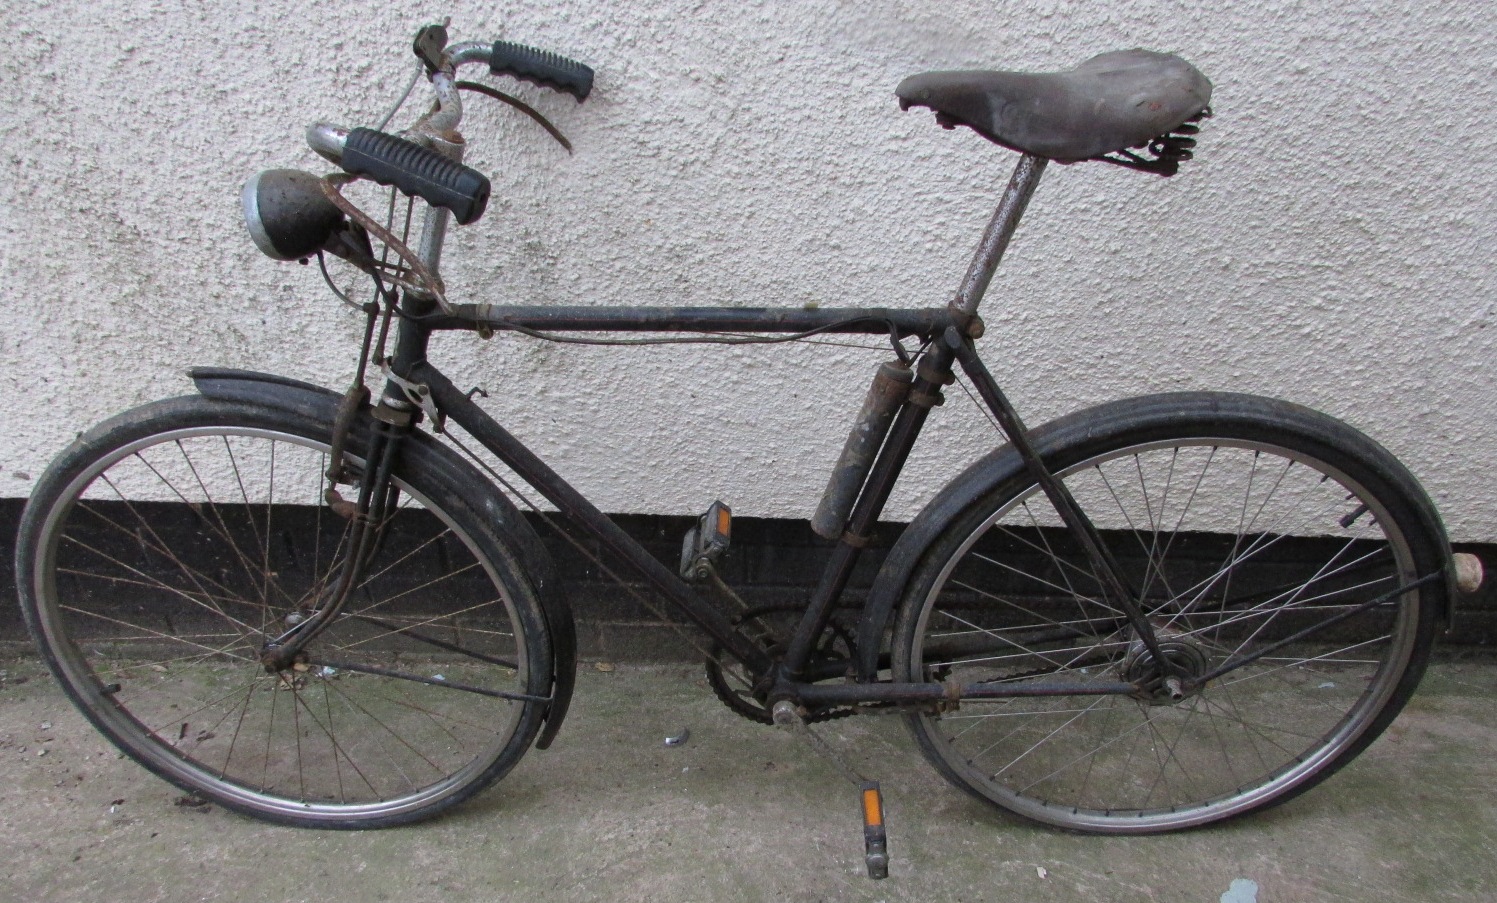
1173	687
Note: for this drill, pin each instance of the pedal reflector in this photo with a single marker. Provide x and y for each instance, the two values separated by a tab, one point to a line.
706	541
875	840
724	521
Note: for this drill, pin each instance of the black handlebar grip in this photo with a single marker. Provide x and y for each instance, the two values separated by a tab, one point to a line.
416	170
543	68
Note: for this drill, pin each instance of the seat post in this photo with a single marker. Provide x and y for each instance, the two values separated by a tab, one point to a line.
995	239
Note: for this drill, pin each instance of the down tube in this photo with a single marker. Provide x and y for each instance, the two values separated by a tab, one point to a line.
570	502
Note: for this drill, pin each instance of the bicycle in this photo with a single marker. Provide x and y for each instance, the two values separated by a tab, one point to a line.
1153	614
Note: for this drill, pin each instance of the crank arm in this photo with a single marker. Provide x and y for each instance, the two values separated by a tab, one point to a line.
875	838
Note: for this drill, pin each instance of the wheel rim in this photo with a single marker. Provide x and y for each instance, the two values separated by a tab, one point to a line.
1118	764
166	563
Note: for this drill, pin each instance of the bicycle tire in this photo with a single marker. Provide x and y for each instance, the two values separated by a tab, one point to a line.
163	548
1005	594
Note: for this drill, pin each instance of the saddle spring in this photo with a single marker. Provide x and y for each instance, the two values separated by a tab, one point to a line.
1166	152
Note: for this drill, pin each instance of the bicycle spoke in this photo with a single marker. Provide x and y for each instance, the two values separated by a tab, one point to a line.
213	506
177	558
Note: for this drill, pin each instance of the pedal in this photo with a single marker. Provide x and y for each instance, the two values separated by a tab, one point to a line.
706	542
875	841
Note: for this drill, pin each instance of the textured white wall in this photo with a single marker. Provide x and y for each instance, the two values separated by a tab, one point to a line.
1325	247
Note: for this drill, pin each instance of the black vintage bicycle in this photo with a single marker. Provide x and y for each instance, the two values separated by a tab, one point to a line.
327	609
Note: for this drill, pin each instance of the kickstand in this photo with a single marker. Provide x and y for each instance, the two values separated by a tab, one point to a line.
875	839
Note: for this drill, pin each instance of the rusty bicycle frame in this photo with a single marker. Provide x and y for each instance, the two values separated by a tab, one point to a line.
790	684
415	384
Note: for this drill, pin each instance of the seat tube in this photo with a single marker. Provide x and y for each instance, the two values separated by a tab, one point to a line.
1000	229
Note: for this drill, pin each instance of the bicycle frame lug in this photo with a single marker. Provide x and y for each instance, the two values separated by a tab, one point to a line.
418	394
384	412
931	399
852	539
935	373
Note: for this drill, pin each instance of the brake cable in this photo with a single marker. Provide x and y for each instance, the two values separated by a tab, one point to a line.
520	105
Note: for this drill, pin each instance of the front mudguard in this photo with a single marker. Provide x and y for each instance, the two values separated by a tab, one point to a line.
317	403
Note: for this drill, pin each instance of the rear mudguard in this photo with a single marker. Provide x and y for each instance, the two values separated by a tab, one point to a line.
503	517
912	545
1004	464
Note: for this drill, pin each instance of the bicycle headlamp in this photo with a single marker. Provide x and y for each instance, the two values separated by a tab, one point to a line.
287	214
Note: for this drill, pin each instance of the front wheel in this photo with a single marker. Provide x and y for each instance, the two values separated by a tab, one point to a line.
1258	535
164	549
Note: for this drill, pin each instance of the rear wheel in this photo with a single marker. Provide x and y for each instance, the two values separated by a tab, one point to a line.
165	548
1257	534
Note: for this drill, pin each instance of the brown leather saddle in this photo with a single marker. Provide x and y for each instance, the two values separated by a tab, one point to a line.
1109	108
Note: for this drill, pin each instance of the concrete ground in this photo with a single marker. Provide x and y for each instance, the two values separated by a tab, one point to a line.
742	812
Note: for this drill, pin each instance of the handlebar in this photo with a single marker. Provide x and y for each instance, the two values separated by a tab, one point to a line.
424	161
541	67
415	170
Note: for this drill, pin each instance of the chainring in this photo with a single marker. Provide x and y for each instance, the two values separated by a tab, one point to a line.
835	644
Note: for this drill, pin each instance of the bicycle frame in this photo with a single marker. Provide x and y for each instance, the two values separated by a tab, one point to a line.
414	387
948	333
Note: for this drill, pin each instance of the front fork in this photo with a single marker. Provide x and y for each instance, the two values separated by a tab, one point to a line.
378	496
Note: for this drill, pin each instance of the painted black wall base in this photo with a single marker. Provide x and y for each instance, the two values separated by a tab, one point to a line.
772	562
